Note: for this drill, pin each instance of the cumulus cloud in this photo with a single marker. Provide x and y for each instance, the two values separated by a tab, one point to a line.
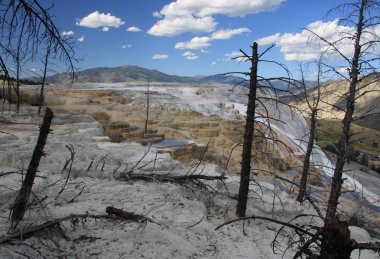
304	45
156	14
194	43
81	39
269	39
227	34
134	29
96	20
234	56
106	29
67	33
181	16
128	46
178	25
204	42
189	55
160	56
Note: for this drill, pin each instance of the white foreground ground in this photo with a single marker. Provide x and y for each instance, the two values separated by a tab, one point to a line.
184	217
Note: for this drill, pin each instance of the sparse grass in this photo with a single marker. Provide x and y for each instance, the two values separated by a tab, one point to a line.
101	117
27	97
328	132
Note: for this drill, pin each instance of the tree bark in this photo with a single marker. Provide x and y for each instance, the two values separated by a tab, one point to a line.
306	164
21	201
147	109
336	184
339	245
46	62
329	244
248	137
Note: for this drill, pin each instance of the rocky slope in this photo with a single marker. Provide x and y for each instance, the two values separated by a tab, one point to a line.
367	110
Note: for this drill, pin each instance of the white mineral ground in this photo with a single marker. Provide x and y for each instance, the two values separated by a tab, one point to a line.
185	218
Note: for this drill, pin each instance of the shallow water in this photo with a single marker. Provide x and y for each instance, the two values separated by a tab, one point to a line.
171	143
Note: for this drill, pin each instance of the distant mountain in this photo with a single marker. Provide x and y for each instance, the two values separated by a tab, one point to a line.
129	73
121	74
224	79
138	74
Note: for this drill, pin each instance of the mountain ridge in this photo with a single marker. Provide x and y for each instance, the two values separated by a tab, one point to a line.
131	73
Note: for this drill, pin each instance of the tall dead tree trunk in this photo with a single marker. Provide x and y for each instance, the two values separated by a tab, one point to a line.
20	204
336	184
147	108
313	108
331	220
46	62
248	136
309	150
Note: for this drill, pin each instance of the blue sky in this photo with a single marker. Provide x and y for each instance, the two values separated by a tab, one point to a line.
190	37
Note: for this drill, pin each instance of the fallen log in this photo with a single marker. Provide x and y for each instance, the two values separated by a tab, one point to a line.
126	215
179	179
112	214
172	178
31	231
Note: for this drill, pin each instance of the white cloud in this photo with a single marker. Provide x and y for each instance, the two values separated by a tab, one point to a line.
204	51
128	46
189	55
213	63
106	29
67	33
96	20
81	39
134	29
204	42
344	70
269	39
227	34
156	14
304	45
194	43
238	56
180	16
179	25
160	56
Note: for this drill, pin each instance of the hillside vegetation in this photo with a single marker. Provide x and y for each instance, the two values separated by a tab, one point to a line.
367	109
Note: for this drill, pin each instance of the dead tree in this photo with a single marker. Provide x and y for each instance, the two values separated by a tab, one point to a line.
21	202
248	136
265	131
147	108
362	17
25	29
331	242
313	109
44	75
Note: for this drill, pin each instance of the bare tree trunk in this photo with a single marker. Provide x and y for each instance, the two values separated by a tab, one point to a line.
248	137
147	109
350	106
18	98
21	201
42	97
309	150
331	221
